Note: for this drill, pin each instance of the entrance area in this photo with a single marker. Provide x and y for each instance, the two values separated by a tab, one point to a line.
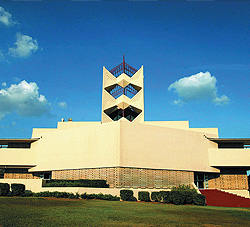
201	180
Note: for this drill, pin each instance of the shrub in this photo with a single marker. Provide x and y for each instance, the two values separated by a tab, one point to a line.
27	193
167	198
187	192
133	199
72	196
155	196
143	196
47	194
61	195
162	194
10	194
200	200
100	196
4	189
177	197
126	195
2	173
17	189
84	196
189	196
77	183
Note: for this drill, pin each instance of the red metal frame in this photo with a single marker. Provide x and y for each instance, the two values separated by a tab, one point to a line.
123	68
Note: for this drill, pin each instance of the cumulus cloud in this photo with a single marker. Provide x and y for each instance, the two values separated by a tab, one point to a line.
63	105
24	46
201	86
24	99
4	84
221	100
6	18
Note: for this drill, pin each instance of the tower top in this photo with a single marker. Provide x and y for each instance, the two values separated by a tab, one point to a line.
122	94
123	68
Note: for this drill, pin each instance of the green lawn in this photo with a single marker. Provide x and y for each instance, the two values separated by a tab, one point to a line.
42	212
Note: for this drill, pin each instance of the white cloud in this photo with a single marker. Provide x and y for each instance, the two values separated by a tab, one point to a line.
1	56
24	99
4	84
62	105
201	86
223	100
24	46
6	18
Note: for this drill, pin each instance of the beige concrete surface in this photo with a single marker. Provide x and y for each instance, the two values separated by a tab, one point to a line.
80	147
120	143
170	124
17	156
158	147
34	185
229	157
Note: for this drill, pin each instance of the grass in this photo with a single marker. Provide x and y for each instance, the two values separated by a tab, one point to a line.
42	212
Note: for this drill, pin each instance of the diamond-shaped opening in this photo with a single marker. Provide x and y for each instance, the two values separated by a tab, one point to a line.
131	90
130	113
114	113
116	90
123	68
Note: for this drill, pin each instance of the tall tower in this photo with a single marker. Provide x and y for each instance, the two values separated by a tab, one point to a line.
123	94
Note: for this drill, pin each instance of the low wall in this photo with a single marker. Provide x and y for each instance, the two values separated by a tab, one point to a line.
35	185
112	191
243	193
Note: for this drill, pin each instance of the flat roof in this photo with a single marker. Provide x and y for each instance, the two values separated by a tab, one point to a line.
7	141
245	141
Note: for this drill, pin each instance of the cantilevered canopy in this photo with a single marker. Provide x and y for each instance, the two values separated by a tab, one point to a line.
11	141
245	141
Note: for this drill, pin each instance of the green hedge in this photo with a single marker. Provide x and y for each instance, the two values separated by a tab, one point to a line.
184	194
127	195
17	189
77	183
55	194
177	197
4	189
156	196
144	196
166	198
189	196
200	200
2	173
75	196
100	196
27	193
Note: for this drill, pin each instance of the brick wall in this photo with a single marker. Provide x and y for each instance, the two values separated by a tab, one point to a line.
119	177
234	179
19	173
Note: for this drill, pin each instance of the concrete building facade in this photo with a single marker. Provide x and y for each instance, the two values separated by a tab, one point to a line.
126	150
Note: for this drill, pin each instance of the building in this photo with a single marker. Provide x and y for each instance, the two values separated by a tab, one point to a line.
127	151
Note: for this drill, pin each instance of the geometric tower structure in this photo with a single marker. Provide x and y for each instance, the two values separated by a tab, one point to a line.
123	94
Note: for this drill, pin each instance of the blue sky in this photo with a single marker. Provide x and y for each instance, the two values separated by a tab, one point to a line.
196	58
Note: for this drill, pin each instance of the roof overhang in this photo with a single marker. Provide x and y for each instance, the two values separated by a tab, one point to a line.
17	166
245	141
7	141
